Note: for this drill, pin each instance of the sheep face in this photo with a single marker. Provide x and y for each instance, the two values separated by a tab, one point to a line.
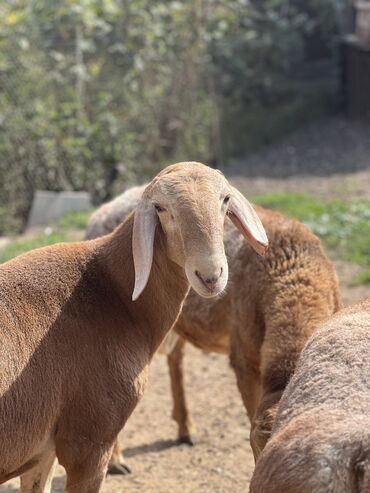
190	202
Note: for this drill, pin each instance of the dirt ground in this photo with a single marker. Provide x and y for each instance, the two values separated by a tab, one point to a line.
221	460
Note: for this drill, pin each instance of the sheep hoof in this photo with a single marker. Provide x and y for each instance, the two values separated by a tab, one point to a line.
187	440
118	469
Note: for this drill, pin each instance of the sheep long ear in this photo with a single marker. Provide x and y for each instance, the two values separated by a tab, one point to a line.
145	222
247	221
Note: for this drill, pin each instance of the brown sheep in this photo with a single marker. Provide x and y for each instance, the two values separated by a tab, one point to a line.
271	307
321	436
76	347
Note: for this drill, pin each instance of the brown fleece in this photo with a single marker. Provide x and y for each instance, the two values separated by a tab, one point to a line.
321	436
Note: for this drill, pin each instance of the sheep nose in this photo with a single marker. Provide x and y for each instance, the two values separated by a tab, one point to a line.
209	282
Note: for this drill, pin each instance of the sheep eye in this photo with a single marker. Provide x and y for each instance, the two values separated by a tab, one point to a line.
158	208
226	199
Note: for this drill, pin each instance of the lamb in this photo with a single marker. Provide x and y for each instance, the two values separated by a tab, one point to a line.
80	323
321	437
271	307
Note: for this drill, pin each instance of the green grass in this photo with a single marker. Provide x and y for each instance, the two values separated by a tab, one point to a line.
344	226
299	206
40	240
74	220
64	230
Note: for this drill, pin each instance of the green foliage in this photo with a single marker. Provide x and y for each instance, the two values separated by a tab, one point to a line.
8	220
344	226
97	93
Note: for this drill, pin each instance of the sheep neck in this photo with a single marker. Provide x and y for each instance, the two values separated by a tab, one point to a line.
159	305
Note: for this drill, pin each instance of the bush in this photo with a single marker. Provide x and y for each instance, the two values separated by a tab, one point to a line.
96	94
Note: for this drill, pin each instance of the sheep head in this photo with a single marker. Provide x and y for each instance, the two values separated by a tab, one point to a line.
190	201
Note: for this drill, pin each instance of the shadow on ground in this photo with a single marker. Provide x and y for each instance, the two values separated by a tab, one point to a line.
148	448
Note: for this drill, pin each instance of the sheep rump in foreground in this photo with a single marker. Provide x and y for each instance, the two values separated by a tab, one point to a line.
75	348
321	436
271	307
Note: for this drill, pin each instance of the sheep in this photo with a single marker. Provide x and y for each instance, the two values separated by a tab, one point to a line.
105	219
271	307
321	437
80	323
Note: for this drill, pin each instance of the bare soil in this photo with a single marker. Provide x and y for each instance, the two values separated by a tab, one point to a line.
221	460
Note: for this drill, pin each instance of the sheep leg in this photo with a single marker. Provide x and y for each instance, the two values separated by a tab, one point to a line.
263	421
85	483
180	411
247	375
276	370
261	405
117	463
39	478
86	477
85	462
250	389
249	384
